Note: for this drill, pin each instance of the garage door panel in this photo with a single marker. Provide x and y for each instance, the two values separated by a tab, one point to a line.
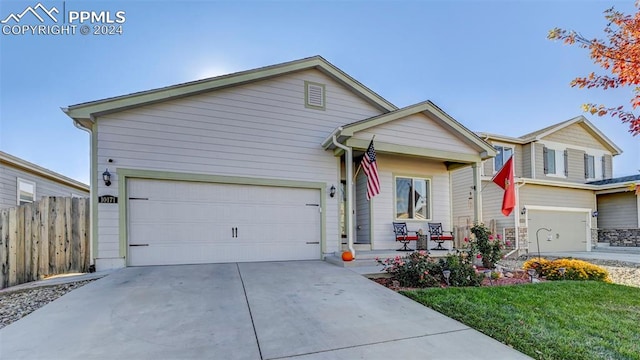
569	230
188	223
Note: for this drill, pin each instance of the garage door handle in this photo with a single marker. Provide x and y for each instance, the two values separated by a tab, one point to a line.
138	244
234	232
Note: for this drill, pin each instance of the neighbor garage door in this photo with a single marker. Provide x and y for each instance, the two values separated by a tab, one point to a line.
176	222
569	230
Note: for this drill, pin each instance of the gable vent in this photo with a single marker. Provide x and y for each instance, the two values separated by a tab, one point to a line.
314	95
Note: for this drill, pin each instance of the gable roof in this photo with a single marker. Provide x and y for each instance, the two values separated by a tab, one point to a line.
539	134
426	107
23	165
84	113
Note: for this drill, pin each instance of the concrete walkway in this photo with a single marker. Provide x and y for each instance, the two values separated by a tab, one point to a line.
275	310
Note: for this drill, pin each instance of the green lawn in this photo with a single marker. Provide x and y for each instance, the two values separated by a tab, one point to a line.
551	320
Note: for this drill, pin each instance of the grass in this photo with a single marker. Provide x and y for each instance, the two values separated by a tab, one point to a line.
551	320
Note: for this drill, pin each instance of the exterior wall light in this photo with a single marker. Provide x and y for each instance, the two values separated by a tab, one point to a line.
106	177
332	191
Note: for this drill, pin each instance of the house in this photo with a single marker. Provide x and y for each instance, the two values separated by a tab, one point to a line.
559	170
24	182
250	166
619	210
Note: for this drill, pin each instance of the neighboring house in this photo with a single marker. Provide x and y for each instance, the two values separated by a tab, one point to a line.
23	182
555	170
243	167
619	210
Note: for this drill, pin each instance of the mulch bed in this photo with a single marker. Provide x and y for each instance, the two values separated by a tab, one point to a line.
519	277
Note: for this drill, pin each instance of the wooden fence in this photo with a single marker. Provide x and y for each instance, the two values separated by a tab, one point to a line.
45	238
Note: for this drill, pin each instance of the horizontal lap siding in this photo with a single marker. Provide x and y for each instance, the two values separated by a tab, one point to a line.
556	196
384	205
575	134
461	183
260	130
525	160
492	196
618	211
44	187
417	130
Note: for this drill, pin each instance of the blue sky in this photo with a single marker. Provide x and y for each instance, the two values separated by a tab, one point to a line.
486	63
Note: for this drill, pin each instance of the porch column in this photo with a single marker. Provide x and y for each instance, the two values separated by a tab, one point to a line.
477	193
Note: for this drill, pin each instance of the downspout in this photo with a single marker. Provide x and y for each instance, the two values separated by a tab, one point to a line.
349	179
517	216
91	191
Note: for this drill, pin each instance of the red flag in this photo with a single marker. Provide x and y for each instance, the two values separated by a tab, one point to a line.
370	168
504	179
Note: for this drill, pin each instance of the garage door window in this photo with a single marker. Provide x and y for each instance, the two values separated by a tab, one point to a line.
413	198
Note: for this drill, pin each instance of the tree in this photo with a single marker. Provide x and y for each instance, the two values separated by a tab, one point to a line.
619	55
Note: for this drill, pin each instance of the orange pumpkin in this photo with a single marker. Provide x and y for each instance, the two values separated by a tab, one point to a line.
347	256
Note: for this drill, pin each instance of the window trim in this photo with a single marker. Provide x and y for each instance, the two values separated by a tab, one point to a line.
587	158
429	182
32	183
307	104
558	172
503	146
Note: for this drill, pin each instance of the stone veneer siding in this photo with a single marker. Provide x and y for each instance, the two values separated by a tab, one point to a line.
620	237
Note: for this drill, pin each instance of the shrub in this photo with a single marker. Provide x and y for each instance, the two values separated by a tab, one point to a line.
484	244
463	273
419	270
574	269
414	270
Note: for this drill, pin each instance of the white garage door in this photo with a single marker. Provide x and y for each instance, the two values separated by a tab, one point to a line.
568	230
176	222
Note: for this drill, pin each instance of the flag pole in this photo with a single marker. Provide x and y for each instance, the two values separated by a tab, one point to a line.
360	165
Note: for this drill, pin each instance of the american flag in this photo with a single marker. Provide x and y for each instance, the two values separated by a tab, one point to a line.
370	168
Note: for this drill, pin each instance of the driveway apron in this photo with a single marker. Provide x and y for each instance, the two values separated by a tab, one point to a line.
270	310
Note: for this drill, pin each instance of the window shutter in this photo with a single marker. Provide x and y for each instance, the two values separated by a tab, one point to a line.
566	163
604	167
586	166
545	162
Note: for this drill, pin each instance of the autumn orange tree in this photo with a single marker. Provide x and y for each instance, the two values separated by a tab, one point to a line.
619	54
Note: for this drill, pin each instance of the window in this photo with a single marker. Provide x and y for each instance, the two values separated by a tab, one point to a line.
26	191
589	167
502	156
413	198
555	162
314	95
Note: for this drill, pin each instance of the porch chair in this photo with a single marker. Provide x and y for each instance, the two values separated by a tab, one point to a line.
437	234
402	235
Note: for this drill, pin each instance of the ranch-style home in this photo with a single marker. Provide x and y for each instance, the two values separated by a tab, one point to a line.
23	182
258	165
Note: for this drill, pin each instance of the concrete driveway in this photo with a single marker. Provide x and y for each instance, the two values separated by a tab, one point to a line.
275	310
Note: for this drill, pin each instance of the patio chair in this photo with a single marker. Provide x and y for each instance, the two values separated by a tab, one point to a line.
402	235
437	234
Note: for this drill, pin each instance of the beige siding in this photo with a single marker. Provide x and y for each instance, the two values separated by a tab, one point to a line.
462	207
618	211
540	195
525	160
363	233
384	204
44	187
260	130
575	134
576	165
608	166
417	130
487	167
539	161
492	196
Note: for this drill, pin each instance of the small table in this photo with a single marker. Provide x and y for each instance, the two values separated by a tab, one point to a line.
423	242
